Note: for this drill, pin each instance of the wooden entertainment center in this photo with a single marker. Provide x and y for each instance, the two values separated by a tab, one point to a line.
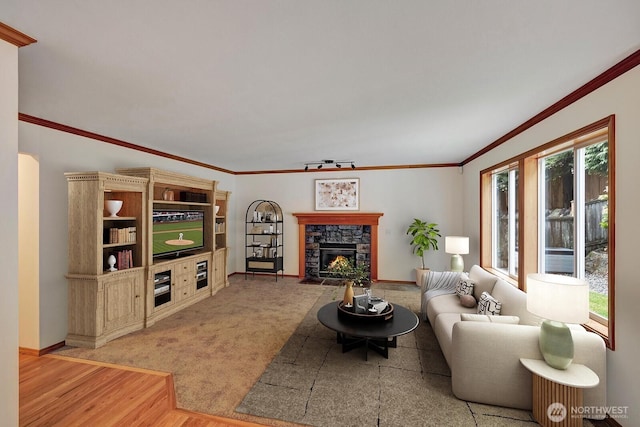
143	287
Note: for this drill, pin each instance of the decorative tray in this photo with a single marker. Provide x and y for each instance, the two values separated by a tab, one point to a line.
346	312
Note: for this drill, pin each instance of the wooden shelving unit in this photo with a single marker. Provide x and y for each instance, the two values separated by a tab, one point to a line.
264	240
103	304
220	279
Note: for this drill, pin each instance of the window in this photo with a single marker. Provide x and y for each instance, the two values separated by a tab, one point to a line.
505	221
552	210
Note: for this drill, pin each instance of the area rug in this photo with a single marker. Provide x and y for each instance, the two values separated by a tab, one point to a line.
312	382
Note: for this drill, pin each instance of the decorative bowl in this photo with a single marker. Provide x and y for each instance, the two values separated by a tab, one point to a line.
217	209
113	207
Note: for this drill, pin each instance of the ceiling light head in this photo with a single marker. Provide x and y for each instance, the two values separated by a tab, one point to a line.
330	163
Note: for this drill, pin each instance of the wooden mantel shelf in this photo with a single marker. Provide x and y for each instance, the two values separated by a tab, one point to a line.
338	218
332	218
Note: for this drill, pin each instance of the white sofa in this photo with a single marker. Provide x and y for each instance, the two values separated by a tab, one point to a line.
484	357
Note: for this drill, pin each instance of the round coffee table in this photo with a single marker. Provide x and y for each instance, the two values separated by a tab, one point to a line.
374	335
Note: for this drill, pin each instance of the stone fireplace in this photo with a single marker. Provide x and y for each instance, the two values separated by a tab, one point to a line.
323	235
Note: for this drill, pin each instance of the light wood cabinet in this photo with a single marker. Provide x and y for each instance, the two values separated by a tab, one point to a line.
104	304
176	284
145	284
104	307
221	278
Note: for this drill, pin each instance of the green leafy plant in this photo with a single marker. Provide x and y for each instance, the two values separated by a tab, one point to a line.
424	237
343	268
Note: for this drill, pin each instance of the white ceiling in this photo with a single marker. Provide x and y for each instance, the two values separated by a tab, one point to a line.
250	85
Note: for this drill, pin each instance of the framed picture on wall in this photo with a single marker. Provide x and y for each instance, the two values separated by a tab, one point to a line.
337	194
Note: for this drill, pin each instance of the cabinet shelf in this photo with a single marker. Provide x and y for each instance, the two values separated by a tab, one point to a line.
119	218
117	245
180	203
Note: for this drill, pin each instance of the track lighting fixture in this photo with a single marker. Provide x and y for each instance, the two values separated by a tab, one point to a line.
329	163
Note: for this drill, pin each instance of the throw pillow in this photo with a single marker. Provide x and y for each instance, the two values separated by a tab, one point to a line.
464	286
467	301
488	305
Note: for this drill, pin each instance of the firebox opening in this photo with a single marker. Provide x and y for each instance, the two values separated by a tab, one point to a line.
329	252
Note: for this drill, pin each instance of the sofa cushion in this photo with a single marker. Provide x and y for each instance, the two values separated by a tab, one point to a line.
488	304
512	320
484	280
514	303
449	303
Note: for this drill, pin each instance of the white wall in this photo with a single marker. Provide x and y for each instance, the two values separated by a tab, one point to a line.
430	194
60	152
622	98
401	195
28	251
9	233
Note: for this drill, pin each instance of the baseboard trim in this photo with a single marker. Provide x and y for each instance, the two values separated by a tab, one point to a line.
33	352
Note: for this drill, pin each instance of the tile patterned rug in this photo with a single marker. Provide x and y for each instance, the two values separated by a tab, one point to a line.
312	382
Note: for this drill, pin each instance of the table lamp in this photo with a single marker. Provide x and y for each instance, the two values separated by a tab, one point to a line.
456	245
559	300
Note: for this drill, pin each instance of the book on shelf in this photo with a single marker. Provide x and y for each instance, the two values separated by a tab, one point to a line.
122	235
124	259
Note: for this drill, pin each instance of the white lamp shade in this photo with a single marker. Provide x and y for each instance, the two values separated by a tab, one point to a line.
560	298
456	245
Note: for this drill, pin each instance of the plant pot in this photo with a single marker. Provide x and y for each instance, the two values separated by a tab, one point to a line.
420	274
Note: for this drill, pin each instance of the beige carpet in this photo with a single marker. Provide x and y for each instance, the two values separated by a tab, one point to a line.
218	348
256	352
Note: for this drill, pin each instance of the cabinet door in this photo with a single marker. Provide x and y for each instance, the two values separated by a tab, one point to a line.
220	263
123	301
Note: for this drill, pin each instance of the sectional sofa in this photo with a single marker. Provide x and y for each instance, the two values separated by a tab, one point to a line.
483	351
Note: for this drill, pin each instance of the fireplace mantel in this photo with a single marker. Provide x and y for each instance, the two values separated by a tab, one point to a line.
338	218
333	218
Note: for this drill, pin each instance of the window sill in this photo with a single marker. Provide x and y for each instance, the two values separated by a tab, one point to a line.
599	329
502	276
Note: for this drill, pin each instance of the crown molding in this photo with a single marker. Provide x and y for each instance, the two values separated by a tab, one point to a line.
13	36
609	75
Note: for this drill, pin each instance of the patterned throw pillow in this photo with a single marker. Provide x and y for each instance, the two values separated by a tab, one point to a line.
488	305
464	286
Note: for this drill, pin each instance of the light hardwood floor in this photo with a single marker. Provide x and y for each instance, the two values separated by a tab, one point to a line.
62	391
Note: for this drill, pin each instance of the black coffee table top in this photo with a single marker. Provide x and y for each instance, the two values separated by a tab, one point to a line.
402	322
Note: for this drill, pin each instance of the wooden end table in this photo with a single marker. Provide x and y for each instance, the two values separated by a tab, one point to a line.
556	391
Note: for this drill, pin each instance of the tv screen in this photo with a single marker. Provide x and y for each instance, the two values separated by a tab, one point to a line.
177	230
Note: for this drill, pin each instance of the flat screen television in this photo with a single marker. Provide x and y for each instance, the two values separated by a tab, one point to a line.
176	231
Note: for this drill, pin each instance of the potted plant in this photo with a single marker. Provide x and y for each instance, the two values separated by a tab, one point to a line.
353	273
424	237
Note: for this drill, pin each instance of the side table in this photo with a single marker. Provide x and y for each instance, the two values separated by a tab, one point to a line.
556	391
